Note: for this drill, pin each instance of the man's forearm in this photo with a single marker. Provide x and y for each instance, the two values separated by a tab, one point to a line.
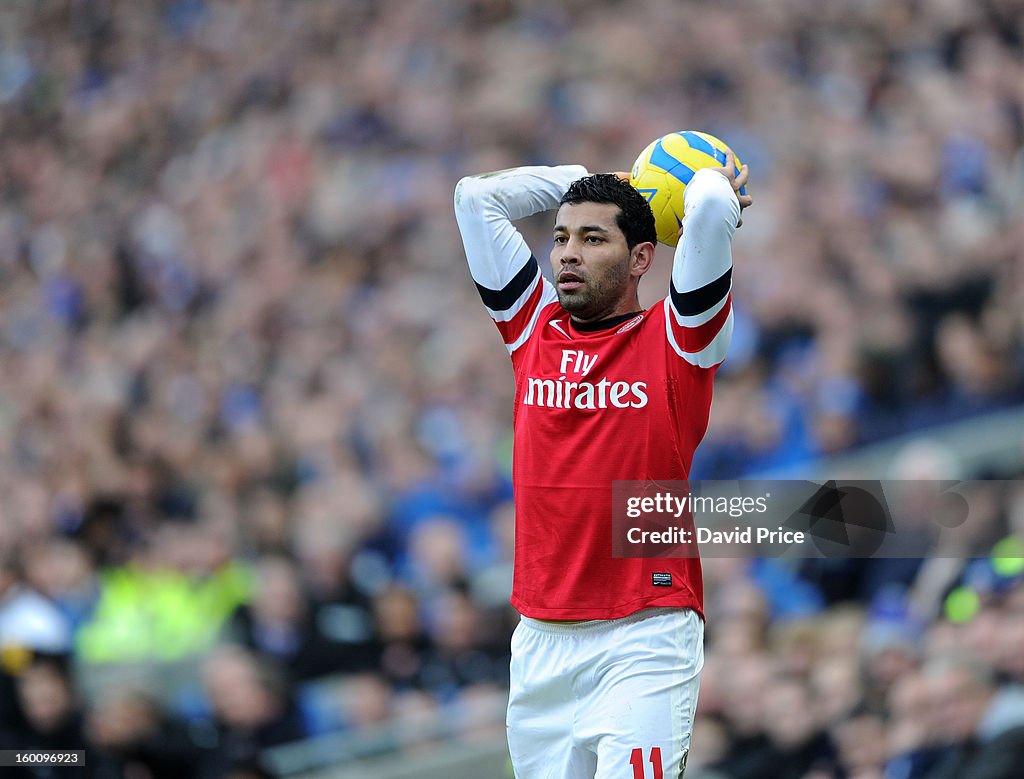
485	207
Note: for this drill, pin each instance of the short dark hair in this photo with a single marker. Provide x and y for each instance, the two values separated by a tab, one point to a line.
635	218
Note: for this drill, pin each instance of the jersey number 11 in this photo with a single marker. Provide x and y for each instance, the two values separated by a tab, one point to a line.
636	759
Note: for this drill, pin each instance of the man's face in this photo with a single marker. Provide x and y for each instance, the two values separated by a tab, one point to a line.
958	704
590	260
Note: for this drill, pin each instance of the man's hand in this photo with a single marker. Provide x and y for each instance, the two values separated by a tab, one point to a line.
738	180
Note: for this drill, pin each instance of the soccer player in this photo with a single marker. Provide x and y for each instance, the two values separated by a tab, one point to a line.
606	659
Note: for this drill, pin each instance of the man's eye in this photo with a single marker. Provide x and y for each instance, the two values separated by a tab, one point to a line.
593	239
560	239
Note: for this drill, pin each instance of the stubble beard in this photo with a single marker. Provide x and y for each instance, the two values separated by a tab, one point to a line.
596	295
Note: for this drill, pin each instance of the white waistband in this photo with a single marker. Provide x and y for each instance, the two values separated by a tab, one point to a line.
593	625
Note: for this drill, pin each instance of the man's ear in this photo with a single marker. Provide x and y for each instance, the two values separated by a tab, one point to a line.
641	258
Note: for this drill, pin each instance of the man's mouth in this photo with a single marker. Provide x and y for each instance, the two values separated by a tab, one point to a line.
568	281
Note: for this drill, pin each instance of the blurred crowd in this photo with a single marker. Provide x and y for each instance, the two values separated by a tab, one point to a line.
862	694
252	416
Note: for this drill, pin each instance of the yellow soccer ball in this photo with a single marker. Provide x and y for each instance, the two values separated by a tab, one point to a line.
665	167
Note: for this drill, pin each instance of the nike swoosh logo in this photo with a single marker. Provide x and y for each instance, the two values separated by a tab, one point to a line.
554	323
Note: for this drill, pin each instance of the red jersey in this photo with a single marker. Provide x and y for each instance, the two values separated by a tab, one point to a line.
629	401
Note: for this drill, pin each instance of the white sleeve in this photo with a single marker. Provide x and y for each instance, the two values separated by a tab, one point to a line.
698	310
506	273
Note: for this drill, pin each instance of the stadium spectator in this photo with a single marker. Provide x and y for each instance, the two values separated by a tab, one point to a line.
912	747
404	642
279	623
252	708
860	741
799	744
983	723
52	713
28	620
132	733
749	748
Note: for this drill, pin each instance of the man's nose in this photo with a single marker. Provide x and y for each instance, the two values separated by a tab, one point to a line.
571	253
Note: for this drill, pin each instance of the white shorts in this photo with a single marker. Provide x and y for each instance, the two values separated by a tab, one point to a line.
605	699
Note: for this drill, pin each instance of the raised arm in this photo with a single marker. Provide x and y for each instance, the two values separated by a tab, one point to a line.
505	271
698	311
